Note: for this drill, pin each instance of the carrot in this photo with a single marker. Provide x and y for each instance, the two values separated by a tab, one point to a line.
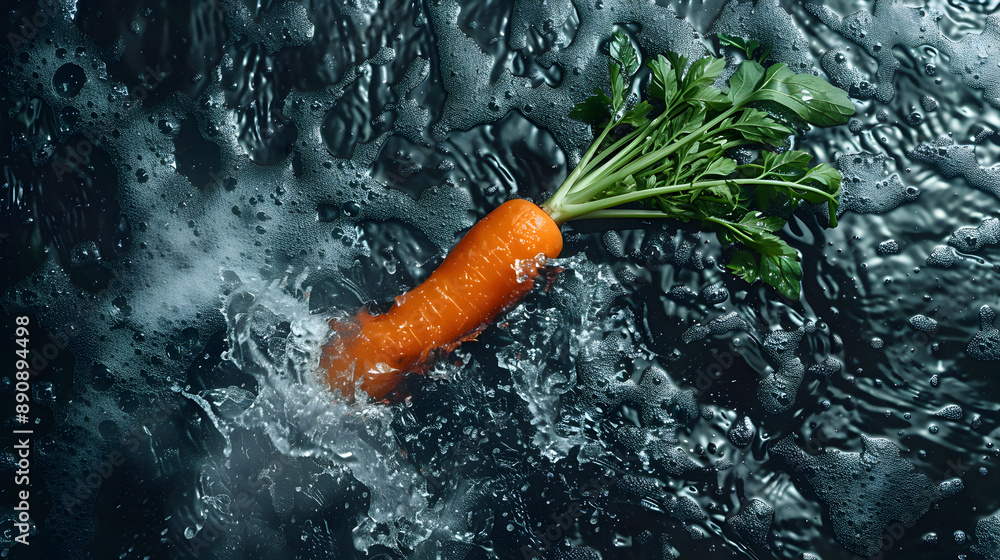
670	154
490	269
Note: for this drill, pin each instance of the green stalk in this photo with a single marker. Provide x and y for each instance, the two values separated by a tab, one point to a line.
726	224
630	137
589	159
555	200
573	211
624	213
586	188
607	175
650	158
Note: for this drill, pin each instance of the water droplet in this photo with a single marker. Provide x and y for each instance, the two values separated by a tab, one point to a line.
69	79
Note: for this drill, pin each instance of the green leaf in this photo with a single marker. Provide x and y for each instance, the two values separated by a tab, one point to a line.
725	193
810	97
748	47
828	177
624	63
687	122
786	165
761	221
745	82
673	156
758	127
824	174
664	83
624	54
766	243
637	115
783	272
745	265
617	87
703	73
678	63
710	97
722	167
594	110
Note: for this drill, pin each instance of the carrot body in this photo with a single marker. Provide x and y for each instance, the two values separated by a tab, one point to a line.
490	269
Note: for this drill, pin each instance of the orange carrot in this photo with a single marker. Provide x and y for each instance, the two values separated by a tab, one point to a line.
490	269
670	154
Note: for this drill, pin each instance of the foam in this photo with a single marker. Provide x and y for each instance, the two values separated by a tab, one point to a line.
741	432
969	239
988	537
778	390
958	160
985	345
862	489
867	186
923	323
754	521
892	23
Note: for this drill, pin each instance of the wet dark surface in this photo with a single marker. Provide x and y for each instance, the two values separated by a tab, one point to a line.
191	190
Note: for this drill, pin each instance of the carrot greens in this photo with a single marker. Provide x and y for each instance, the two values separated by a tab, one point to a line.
674	153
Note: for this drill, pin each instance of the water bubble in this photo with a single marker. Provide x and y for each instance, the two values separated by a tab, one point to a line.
69	79
351	208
